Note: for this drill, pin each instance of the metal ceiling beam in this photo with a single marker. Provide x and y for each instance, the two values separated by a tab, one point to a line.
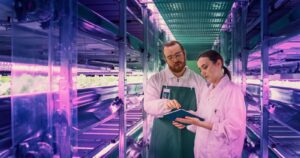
133	15
193	16
196	20
192	11
203	30
199	23
196	42
181	1
210	26
190	21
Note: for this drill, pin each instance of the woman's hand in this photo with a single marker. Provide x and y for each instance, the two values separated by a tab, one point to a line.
195	121
178	125
188	120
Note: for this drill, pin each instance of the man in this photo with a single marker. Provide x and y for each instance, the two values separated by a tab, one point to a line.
174	87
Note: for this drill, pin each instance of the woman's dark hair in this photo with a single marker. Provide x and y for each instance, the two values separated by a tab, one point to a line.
214	56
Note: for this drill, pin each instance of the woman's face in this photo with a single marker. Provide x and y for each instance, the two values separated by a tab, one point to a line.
210	71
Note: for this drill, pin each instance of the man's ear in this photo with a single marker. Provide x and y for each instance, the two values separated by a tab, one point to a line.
164	57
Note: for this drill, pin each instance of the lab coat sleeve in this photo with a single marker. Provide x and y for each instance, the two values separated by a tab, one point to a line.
233	125
192	128
153	105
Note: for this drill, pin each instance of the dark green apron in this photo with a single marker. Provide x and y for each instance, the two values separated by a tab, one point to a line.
167	141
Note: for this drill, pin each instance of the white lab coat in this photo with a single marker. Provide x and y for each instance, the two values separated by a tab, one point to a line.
153	105
223	106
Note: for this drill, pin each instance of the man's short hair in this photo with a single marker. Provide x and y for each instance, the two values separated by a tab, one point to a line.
172	43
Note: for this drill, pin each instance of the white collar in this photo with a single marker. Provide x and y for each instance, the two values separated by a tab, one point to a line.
223	82
185	75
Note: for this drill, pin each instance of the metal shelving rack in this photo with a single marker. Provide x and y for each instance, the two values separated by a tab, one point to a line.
98	37
266	65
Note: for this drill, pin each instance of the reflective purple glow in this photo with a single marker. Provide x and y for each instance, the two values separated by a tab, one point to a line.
45	68
272	109
34	78
88	26
101	133
253	81
279	52
227	24
286	84
83	148
113	109
255	63
5	66
35	68
287	45
29	84
295	84
156	17
100	129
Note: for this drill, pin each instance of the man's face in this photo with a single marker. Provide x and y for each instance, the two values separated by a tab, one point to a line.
175	58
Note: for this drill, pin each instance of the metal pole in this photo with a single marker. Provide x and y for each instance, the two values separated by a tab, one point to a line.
122	75
264	96
146	45
63	110
233	40
145	70
155	46
244	8
134	16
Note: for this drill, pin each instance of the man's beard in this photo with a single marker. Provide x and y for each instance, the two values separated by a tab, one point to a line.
178	67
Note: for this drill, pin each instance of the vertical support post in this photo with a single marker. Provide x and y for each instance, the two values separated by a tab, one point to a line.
145	53
233	40
64	115
224	42
244	8
239	48
238	39
145	69
156	46
264	93
146	42
122	74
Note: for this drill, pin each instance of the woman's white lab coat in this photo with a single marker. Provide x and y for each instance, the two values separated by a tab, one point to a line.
224	107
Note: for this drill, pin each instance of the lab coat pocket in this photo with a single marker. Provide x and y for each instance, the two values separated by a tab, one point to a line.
217	116
218	121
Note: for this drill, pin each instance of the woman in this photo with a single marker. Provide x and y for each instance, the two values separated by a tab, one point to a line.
222	106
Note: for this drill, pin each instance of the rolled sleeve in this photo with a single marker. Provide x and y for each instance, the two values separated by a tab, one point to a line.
153	105
192	128
156	108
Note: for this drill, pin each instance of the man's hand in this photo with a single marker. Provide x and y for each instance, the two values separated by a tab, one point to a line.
173	104
178	125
